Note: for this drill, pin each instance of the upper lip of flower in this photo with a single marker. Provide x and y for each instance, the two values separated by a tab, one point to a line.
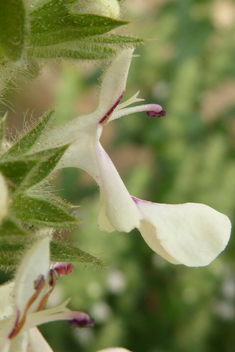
190	234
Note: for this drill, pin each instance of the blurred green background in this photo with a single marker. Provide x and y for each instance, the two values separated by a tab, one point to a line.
140	301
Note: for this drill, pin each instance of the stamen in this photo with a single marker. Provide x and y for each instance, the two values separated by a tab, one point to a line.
63	268
52	283
151	110
38	285
109	113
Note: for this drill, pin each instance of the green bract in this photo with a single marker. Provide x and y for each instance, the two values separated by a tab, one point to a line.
33	208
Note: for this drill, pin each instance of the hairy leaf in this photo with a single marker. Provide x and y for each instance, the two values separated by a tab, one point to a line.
11	227
12	248
49	159
69	252
114	39
16	170
56	22
41	212
28	170
25	143
12	23
83	52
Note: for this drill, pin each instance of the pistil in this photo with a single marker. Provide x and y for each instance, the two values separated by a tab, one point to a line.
152	110
52	283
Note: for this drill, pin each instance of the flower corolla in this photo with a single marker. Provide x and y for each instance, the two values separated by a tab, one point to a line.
23	300
191	234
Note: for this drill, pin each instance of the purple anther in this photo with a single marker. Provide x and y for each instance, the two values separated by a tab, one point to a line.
153	113
83	322
39	282
53	279
63	268
106	116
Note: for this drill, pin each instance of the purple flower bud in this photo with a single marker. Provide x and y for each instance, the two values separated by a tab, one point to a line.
153	113
81	320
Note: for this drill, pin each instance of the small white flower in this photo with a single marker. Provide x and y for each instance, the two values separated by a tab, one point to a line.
22	303
190	234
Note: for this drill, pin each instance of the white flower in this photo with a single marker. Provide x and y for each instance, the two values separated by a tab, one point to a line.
190	234
22	303
3	198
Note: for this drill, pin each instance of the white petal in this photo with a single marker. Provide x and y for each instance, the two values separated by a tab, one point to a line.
6	326
83	128
191	234
103	222
3	198
6	300
36	342
119	207
114	80
19	343
82	154
79	128
6	346
36	262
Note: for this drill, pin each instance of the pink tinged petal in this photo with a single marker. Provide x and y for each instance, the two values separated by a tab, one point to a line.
114	81
191	234
36	342
106	117
34	266
118	205
81	131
